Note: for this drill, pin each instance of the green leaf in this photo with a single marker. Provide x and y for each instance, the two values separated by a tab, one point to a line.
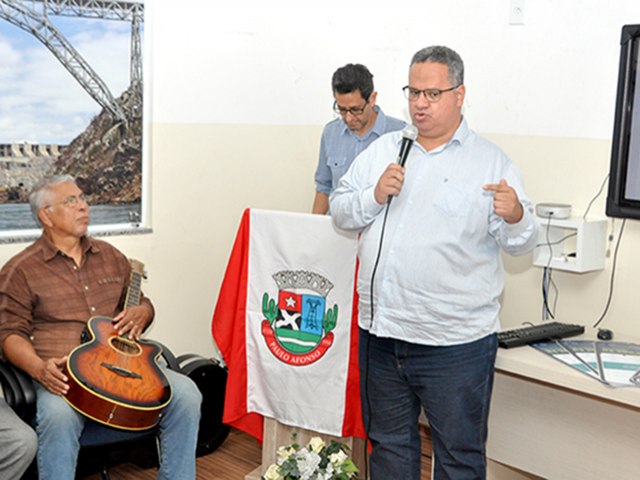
289	469
349	467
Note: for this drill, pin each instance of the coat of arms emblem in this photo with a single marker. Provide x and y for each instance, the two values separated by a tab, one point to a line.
298	326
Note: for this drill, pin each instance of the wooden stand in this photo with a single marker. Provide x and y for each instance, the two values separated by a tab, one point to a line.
277	434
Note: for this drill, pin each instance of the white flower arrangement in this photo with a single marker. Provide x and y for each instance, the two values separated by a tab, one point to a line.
315	461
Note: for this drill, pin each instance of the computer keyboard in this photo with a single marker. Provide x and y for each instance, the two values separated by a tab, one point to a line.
537	333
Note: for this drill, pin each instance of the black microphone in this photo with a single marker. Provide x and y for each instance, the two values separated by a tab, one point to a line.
409	135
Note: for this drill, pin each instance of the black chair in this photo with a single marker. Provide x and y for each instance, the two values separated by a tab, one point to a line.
100	445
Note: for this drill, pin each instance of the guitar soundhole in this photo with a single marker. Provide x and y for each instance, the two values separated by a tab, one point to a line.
123	345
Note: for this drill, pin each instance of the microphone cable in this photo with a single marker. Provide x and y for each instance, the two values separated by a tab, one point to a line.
367	426
377	260
409	135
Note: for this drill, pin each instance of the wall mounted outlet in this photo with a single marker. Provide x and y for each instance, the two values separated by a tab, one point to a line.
516	12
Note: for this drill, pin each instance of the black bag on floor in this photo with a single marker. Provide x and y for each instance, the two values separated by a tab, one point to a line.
211	378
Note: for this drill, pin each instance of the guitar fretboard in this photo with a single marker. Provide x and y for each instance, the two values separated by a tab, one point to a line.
135	284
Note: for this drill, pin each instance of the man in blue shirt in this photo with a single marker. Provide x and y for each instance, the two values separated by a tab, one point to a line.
429	294
361	122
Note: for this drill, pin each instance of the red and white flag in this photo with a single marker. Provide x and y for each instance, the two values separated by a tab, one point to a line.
286	325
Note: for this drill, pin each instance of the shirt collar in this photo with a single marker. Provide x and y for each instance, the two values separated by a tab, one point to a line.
49	250
378	126
458	137
461	134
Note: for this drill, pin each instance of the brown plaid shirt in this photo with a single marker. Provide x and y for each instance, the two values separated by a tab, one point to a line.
46	298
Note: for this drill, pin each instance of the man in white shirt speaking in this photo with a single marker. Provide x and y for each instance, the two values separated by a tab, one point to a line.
431	275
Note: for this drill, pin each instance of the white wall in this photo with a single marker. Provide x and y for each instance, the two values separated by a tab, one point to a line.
555	75
238	97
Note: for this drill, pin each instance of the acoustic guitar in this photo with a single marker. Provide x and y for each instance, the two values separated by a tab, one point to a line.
115	380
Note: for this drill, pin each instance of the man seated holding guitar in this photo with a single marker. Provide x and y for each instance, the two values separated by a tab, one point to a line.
48	294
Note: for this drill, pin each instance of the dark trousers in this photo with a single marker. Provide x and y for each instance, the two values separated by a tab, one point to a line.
452	383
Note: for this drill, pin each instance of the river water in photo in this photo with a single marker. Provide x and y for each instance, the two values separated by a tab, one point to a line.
18	216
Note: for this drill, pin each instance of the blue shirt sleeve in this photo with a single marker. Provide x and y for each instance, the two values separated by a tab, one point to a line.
323	173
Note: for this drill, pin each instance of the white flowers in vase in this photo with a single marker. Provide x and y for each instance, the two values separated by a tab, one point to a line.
315	461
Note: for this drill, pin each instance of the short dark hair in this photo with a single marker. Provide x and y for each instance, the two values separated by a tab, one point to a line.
352	77
445	56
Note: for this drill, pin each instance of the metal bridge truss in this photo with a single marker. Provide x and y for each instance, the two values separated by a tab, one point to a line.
38	24
105	9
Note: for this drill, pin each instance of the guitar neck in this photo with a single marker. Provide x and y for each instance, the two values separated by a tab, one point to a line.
134	291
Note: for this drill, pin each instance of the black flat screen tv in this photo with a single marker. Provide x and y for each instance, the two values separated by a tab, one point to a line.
623	199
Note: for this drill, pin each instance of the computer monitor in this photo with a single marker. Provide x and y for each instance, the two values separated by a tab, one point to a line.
623	199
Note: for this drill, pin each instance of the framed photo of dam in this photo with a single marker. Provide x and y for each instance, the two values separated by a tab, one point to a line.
71	102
